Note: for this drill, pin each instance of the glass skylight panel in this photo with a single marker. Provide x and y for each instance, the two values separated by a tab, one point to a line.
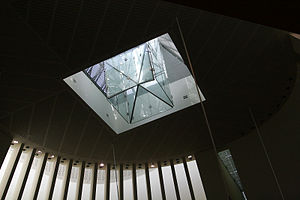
137	86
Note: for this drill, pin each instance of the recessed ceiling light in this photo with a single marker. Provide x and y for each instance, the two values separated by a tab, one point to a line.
190	157
52	156
152	165
101	165
39	152
15	142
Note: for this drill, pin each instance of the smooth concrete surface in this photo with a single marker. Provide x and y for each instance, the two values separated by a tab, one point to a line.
211	175
281	136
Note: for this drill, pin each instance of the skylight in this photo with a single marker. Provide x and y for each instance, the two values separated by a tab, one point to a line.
137	86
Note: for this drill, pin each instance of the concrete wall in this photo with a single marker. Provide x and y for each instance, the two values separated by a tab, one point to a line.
5	140
281	135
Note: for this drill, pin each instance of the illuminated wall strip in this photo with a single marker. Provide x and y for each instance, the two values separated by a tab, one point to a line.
36	192
12	171
51	177
26	174
188	178
54	177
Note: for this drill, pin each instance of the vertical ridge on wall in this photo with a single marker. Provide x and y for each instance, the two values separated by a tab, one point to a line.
15	162
53	177
26	174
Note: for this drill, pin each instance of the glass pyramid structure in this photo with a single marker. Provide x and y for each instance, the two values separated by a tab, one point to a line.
135	82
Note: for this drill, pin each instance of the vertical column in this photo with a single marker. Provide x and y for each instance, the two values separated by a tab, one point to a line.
195	178
127	181
33	175
68	179
174	179
61	179
121	183
26	173
148	181
154	182
134	181
81	180
54	178
12	171
163	193
7	165
188	178
107	182
36	191
94	181
211	175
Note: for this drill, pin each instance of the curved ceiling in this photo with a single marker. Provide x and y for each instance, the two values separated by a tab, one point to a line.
237	64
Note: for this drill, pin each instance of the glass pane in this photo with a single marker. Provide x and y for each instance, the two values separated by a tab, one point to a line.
116	81
196	180
87	182
123	102
164	83
154	88
183	186
60	181
154	182
33	176
100	183
147	105
97	74
168	182
141	182
127	178
19	174
146	70
129	62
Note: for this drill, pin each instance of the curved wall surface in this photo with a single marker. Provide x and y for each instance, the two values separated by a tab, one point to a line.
28	173
281	137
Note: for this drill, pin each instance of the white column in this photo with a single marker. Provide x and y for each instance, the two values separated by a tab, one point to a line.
8	165
19	174
47	178
33	176
60	182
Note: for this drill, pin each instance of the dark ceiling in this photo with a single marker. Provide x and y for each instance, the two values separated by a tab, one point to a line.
238	65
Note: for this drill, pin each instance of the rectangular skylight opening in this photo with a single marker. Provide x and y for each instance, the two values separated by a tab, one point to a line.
137	86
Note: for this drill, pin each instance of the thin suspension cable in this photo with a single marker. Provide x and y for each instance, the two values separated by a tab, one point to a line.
202	105
266	152
116	174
